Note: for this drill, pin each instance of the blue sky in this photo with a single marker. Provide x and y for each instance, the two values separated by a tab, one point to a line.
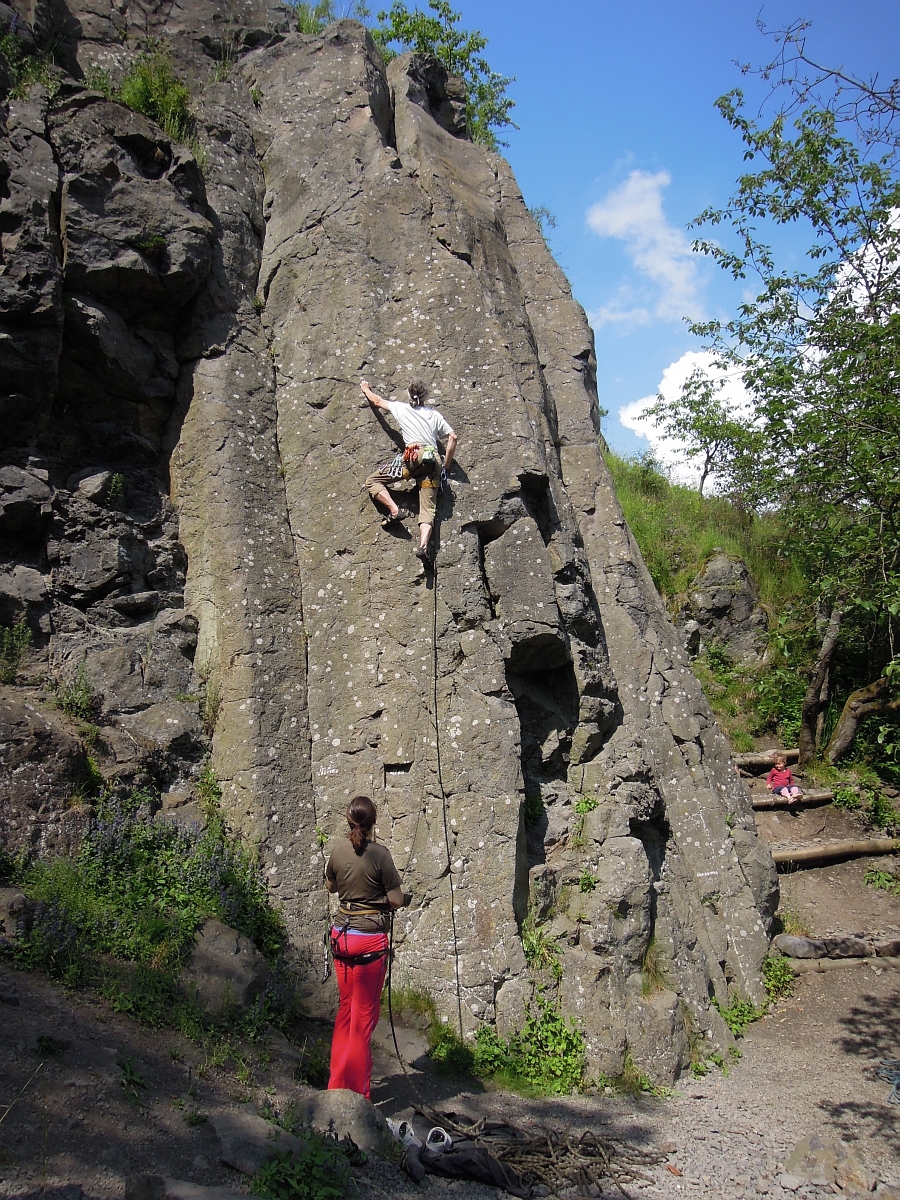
620	140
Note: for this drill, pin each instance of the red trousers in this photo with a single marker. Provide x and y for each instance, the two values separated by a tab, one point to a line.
359	986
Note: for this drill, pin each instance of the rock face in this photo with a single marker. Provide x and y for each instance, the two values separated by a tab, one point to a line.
343	226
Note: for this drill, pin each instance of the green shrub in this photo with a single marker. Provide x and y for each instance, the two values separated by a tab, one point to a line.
77	698
545	1058
586	805
739	1014
845	796
587	882
121	914
778	978
152	88
321	1171
885	881
14	641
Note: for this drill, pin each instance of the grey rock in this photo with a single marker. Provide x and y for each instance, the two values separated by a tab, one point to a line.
247	1141
209	347
846	947
224	970
887	948
24	503
347	1114
42	770
656	1035
156	1187
95	487
800	947
790	1182
723	607
24	596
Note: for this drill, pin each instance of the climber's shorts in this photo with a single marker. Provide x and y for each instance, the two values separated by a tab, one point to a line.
426	474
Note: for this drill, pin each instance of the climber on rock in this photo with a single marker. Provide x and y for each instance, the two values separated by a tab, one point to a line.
420	460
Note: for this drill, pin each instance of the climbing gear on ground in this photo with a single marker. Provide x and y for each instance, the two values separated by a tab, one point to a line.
395	518
888	1069
438	1140
403	1132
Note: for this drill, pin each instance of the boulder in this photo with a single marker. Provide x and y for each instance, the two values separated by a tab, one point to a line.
225	970
799	947
24	503
827	1160
723	607
43	773
247	1141
343	1113
24	596
14	914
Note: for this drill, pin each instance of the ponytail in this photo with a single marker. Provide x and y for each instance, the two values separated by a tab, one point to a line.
361	816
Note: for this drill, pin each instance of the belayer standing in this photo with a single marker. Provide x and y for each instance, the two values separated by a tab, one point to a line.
368	886
421	460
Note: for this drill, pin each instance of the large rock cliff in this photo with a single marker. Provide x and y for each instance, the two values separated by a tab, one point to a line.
184	527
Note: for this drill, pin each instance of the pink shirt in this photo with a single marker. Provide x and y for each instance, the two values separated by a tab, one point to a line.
780	778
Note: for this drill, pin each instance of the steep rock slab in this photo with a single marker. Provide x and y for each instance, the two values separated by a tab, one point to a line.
243	582
715	888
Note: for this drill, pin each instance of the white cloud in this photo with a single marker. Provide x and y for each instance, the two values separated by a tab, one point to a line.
669	452
633	213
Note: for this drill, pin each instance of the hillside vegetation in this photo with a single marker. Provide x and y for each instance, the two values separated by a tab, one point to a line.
678	531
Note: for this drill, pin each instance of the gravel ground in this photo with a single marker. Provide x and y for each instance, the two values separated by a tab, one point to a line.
807	1068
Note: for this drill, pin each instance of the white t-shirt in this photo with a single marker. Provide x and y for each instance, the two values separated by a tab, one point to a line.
422	425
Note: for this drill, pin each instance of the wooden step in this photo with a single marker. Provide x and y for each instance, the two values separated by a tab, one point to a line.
830	851
763	760
814	798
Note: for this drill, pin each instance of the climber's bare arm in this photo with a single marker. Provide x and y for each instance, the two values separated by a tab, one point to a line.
451	450
373	397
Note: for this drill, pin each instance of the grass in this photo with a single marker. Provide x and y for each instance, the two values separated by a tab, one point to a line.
678	531
541	952
77	698
14	641
633	1082
152	88
27	68
654	977
792	923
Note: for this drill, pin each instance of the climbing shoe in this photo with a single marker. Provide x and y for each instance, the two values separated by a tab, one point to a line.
401	515
422	553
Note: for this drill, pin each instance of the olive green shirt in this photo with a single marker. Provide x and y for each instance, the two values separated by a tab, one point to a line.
363	879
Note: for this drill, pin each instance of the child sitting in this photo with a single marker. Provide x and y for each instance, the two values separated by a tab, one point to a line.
780	781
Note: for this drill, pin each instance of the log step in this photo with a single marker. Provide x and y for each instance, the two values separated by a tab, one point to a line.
830	851
763	760
811	799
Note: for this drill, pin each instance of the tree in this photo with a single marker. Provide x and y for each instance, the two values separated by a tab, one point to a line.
488	106
818	349
702	421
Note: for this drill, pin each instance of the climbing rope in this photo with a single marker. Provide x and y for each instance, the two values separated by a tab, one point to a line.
440	777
